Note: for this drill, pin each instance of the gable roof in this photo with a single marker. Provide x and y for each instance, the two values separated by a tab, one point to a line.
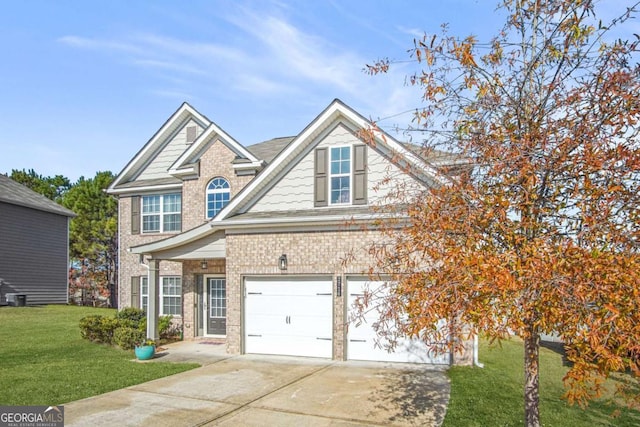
337	110
289	151
187	163
184	113
17	194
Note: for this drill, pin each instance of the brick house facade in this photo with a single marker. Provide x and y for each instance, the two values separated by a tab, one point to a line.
267	272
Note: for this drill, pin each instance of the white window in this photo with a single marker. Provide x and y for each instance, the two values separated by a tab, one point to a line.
340	175
144	292
218	195
161	213
170	295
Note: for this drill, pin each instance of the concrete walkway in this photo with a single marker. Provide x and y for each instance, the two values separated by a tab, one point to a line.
251	390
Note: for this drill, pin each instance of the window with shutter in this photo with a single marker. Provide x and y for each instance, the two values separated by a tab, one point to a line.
360	174
340	176
320	174
135	215
135	291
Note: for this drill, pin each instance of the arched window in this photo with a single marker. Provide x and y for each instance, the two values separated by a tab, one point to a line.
218	194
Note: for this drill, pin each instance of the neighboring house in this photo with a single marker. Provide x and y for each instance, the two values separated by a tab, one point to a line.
34	245
248	243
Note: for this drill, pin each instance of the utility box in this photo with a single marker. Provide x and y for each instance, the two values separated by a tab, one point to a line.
16	300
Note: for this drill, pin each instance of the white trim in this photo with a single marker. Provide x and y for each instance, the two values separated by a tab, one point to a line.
334	111
349	175
178	167
252	165
211	192
154	188
161	213
158	136
161	294
205	307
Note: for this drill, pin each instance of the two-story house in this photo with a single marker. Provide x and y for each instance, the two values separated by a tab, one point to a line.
249	243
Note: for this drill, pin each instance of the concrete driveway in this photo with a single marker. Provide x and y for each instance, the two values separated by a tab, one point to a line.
275	391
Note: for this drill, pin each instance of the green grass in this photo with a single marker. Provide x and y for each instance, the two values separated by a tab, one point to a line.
493	395
44	361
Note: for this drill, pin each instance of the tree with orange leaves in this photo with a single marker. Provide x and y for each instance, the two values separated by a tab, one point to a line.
542	234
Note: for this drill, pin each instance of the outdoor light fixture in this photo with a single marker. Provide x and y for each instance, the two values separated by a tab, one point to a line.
204	264
283	261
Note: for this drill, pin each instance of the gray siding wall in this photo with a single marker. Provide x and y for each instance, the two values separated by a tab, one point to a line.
34	249
295	190
162	162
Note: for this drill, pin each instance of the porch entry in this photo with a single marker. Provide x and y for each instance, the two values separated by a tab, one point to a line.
215	305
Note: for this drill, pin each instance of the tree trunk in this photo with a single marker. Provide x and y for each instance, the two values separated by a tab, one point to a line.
531	380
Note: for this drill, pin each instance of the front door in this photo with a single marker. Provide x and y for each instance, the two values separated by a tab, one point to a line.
216	307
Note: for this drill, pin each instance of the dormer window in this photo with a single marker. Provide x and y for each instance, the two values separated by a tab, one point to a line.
218	195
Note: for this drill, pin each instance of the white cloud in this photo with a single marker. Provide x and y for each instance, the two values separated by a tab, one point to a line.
413	32
269	57
96	44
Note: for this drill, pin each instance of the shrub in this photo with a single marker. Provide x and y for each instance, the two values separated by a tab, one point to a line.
98	328
136	315
143	324
165	326
127	338
90	326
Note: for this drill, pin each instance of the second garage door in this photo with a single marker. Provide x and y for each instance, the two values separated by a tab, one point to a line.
361	339
288	316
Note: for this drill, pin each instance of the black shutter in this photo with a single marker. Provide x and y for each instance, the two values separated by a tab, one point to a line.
359	174
135	215
135	291
320	178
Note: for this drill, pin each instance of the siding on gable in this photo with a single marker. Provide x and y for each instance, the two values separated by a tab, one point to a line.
295	191
166	158
33	254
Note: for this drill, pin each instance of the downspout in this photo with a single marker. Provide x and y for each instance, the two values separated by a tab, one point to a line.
145	266
476	362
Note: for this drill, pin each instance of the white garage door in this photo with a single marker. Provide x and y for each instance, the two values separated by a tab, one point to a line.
361	339
288	316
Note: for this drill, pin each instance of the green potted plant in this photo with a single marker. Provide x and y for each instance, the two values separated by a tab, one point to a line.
145	349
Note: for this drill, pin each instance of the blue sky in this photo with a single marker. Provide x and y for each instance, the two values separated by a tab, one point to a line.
85	84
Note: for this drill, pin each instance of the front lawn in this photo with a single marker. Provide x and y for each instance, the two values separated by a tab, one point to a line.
493	395
44	361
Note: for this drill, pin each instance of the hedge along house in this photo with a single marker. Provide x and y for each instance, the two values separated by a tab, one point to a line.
247	244
34	246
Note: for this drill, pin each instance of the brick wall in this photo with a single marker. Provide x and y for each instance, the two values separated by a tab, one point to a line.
215	162
129	262
308	253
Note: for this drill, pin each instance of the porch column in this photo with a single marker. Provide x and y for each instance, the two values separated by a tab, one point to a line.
153	305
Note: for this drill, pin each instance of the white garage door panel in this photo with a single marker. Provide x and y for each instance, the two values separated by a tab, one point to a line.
295	315
288	317
361	339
